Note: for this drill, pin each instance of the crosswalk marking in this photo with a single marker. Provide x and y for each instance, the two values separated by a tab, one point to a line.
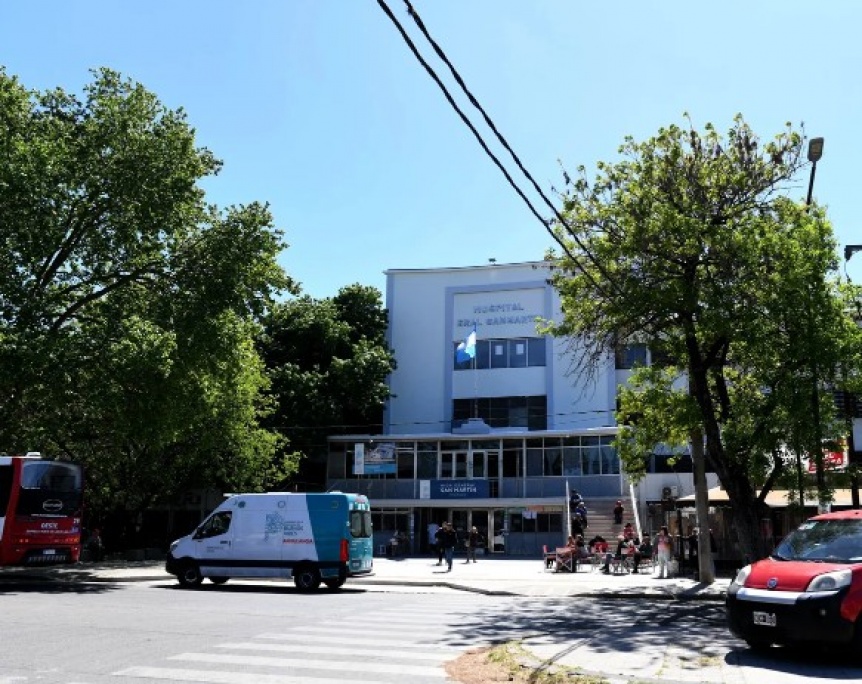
221	677
307	664
364	649
359	641
336	651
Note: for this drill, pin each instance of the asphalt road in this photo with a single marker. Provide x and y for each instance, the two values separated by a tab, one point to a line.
268	633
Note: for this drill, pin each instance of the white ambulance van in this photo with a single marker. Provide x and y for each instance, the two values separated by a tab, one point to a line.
310	537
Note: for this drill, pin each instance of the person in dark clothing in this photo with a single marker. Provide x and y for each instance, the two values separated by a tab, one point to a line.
691	538
577	525
449	540
644	550
618	513
438	543
96	546
474	541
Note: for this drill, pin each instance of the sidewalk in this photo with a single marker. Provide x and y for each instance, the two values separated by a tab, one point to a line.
493	576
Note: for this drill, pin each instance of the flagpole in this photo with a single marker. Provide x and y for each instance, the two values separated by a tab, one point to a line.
475	382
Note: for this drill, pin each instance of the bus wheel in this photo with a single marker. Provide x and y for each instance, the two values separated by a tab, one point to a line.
218	580
306	577
190	575
334	582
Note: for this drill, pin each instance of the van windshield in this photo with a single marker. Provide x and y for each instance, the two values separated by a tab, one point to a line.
835	541
360	524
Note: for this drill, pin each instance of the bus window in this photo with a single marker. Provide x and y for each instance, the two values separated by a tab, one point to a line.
5	487
50	488
360	524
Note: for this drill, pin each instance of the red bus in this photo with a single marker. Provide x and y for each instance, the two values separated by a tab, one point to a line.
40	511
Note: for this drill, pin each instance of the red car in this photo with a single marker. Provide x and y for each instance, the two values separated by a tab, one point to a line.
808	591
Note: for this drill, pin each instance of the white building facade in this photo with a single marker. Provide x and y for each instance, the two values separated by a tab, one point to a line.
499	440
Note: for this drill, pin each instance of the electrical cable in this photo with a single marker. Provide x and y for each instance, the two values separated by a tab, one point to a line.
545	224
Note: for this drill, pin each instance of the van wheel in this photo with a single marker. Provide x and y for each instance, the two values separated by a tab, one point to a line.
190	575
334	582
306	577
218	580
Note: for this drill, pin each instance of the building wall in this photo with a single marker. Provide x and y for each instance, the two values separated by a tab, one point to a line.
432	310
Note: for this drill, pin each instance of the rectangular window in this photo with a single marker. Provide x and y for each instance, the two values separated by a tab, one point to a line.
631	355
405	462
572	461
427	467
553	461
512	462
499	354
536	351
535	463
502	412
517	353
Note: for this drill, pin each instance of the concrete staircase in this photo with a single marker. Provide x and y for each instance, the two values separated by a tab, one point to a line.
600	514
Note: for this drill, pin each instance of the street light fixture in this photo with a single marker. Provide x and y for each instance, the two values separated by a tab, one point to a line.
815	151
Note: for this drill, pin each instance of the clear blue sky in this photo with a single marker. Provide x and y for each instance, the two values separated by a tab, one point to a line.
319	108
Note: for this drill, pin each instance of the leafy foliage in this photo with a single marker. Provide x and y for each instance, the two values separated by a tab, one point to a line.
328	361
690	244
127	304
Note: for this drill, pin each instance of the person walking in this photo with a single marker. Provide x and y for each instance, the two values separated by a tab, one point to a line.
474	541
664	550
449	540
618	513
438	542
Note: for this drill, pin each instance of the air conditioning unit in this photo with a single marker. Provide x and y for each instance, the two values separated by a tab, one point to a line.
666	493
674	492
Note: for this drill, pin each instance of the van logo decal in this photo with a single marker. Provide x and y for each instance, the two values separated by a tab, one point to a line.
52	505
772	583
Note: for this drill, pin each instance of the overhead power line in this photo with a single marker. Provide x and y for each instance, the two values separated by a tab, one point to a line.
489	122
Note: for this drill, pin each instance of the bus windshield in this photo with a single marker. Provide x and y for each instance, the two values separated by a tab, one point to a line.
50	488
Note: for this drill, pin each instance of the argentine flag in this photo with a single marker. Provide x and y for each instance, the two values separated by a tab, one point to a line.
466	350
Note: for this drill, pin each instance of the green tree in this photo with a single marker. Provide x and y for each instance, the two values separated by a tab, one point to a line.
691	245
328	360
127	303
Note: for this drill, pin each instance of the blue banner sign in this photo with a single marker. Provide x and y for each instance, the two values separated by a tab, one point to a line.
459	489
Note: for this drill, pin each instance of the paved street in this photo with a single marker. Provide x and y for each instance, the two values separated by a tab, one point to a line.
130	623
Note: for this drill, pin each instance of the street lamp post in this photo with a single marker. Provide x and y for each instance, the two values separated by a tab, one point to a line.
850	402
815	151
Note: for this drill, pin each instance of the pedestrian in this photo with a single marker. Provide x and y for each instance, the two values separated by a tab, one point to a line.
432	536
438	542
629	531
474	541
691	537
577	525
664	550
96	546
449	540
643	551
581	510
618	513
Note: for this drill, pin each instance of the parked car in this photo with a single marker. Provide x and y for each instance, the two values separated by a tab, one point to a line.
808	591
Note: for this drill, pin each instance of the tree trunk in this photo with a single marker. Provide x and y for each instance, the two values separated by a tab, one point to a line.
701	503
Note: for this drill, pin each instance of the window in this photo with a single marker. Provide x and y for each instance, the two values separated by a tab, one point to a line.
427	460
517	353
405	462
631	355
360	524
501	412
504	353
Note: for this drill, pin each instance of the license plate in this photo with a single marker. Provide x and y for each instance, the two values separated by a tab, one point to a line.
49	552
764	619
